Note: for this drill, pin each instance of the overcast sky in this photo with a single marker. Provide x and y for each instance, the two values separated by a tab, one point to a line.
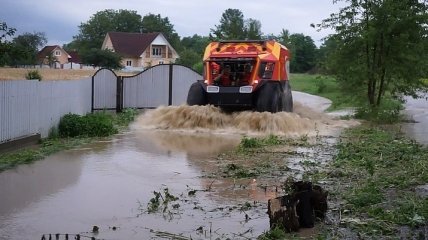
60	19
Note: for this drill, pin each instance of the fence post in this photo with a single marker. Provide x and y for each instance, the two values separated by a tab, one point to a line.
93	91
119	94
171	70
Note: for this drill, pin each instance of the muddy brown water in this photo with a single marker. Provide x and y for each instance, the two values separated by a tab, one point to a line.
109	183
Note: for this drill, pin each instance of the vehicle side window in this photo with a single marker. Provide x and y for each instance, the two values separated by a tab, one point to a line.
266	70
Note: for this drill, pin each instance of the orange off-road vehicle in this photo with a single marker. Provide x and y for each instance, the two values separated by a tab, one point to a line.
241	75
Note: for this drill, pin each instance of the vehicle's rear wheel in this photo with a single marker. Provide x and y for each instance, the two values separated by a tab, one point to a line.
287	100
268	98
196	95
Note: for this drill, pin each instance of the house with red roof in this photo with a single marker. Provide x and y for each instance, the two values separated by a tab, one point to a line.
52	55
140	50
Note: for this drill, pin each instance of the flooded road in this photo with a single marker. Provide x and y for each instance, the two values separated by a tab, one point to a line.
115	184
417	112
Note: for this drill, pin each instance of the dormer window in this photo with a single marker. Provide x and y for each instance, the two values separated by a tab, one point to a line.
157	51
57	53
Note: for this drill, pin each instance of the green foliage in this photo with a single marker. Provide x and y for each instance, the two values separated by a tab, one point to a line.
366	195
199	67
381	166
47	147
381	47
324	86
25	48
157	23
302	48
189	57
250	143
126	117
162	200
5	46
92	33
97	124
276	233
71	125
233	26
389	111
33	74
102	58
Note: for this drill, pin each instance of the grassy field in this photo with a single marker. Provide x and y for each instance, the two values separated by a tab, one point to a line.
53	74
47	74
323	86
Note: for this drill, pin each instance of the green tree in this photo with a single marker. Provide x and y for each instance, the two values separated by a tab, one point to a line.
303	52
196	43
231	25
26	46
302	48
381	46
5	45
189	57
92	33
156	23
102	58
253	29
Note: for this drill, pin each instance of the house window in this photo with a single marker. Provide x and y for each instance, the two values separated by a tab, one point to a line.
157	51
129	63
57	53
160	62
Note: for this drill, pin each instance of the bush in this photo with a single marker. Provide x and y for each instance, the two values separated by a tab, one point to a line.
90	125
70	125
98	125
388	111
33	74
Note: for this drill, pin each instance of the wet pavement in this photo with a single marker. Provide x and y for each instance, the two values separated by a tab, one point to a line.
110	184
417	112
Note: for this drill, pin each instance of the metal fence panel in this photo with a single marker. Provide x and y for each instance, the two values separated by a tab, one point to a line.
148	89
182	78
105	89
31	107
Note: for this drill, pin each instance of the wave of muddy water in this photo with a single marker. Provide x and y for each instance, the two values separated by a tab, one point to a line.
109	183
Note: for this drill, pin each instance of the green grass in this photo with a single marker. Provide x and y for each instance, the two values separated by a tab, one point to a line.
323	86
381	168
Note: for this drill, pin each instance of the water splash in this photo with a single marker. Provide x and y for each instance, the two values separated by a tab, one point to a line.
303	121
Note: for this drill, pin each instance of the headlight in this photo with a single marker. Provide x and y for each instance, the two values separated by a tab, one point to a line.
246	89
213	89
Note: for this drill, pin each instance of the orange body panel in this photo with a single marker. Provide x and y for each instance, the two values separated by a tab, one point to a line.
262	55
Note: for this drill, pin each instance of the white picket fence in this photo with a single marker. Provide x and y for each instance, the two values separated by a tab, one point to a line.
29	107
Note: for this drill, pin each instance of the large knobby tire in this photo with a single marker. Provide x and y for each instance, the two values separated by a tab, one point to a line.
196	95
269	98
287	100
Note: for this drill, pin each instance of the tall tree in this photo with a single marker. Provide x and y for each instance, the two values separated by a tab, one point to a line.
253	29
102	58
26	47
156	23
92	33
5	45
303	50
231	25
381	46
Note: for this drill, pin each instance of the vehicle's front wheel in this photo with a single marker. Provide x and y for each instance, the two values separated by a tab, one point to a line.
196	95
287	98
268	98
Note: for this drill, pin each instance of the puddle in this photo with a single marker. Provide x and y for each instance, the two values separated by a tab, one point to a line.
110	183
